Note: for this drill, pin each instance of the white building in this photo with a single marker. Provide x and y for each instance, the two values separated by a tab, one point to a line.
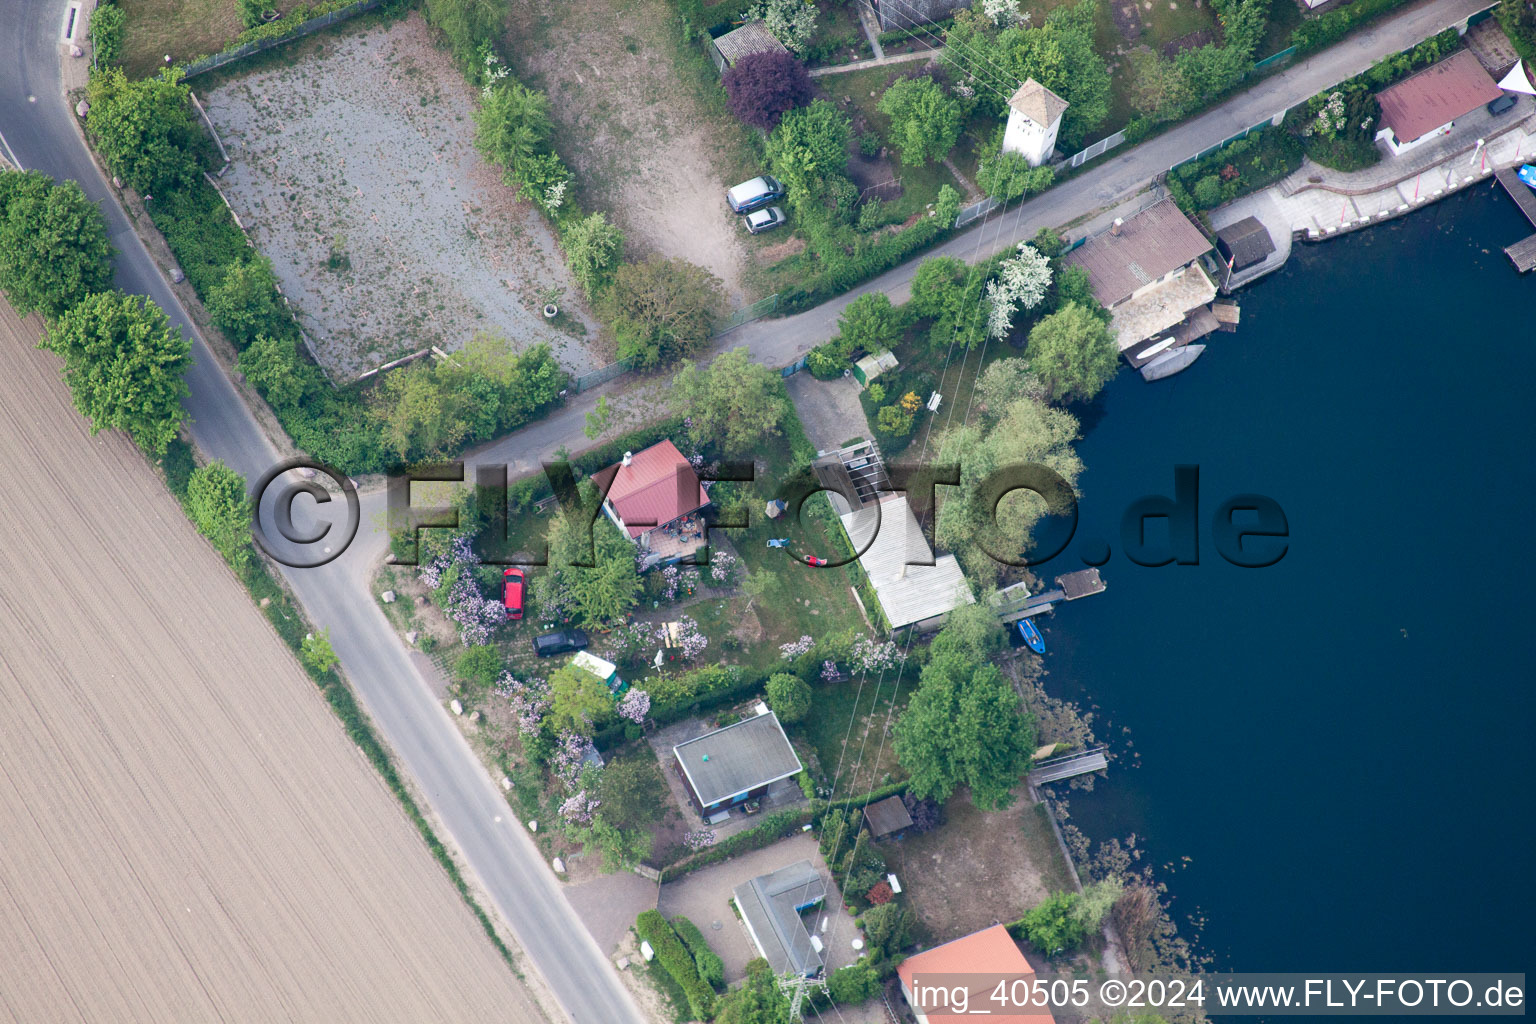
1034	118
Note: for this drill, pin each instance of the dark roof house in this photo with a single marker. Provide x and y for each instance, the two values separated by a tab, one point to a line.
1139	252
895	14
753	37
737	762
887	816
1422	104
770	907
1244	243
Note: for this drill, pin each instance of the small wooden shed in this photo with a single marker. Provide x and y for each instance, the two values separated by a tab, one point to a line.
753	37
872	366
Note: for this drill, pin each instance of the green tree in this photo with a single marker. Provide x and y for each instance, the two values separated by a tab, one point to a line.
1096	901
317	653
470	26
1157	86
593	586
1053	926
888	927
971	632
53	244
592	248
579	701
758	1001
634	798
925	120
853	984
245	303
964	727
948	292
869	322
1004	382
1074	285
478	668
143	129
1026	431
809	144
1207	191
512	127
1073	352
789	696
894	420
734	402
598	419
216	502
124	365
665	309
792	22
274	366
1008	176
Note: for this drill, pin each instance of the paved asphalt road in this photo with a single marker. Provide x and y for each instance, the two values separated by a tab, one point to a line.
35	123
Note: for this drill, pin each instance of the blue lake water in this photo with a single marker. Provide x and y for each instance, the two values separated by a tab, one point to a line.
1340	744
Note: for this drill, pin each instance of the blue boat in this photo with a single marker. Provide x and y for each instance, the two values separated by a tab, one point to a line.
1031	636
1527	174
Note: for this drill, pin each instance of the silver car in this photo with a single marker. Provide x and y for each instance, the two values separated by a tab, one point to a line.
759	221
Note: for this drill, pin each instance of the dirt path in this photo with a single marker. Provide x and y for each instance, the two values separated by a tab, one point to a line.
644	148
187	832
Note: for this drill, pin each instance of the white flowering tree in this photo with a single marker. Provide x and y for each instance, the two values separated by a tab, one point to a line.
1021	284
1002	12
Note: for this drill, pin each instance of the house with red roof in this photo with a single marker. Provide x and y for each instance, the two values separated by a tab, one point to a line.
958	982
656	500
1425	106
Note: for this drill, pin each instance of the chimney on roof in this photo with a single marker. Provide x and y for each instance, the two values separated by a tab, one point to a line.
1114	228
628	458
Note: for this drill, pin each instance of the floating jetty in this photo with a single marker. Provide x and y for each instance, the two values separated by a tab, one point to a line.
1015	603
1522	253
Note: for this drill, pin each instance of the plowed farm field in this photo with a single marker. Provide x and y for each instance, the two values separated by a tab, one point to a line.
186	834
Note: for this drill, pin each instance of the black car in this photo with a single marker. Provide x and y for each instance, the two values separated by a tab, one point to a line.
1502	104
563	642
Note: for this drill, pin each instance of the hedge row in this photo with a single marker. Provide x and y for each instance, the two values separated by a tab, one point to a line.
676	961
860	267
1329	28
767	832
711	967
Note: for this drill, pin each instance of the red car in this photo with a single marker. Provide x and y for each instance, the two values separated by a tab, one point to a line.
512	592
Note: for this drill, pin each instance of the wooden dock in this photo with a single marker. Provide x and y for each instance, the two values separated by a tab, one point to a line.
1059	768
1522	253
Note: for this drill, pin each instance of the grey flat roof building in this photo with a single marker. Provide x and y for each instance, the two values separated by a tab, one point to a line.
736	760
770	906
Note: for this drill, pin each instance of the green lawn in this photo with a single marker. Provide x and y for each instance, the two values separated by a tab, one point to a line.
839	38
844	711
185	29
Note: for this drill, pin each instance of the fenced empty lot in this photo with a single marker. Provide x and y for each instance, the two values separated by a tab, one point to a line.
186	832
354	169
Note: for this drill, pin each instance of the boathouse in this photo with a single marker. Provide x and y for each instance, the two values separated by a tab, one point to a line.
1425	106
1145	270
1245	243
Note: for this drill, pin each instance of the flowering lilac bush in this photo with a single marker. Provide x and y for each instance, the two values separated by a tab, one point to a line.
477	616
723	568
528	701
565	762
795	648
679	581
690	638
634	706
829	672
699	838
871	655
579	808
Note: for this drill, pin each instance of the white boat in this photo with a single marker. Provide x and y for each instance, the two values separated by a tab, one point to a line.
1170	363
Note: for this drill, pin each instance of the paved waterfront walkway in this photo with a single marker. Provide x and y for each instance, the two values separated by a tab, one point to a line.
1318	202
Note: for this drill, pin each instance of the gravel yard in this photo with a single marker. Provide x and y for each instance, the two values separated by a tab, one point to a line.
354	169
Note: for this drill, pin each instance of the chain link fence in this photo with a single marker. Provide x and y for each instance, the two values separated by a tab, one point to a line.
760	308
315	24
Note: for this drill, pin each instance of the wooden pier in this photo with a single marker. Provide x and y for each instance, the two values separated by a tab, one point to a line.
1522	253
1059	768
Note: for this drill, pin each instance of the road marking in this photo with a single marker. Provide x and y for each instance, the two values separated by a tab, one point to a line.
10	155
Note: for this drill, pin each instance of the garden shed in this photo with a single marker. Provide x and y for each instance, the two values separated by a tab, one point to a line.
753	37
872	366
887	816
1245	243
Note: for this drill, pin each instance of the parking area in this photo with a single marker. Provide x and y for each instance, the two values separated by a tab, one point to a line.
704	897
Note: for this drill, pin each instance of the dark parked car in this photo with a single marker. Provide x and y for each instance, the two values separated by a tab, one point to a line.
563	642
755	194
1502	104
